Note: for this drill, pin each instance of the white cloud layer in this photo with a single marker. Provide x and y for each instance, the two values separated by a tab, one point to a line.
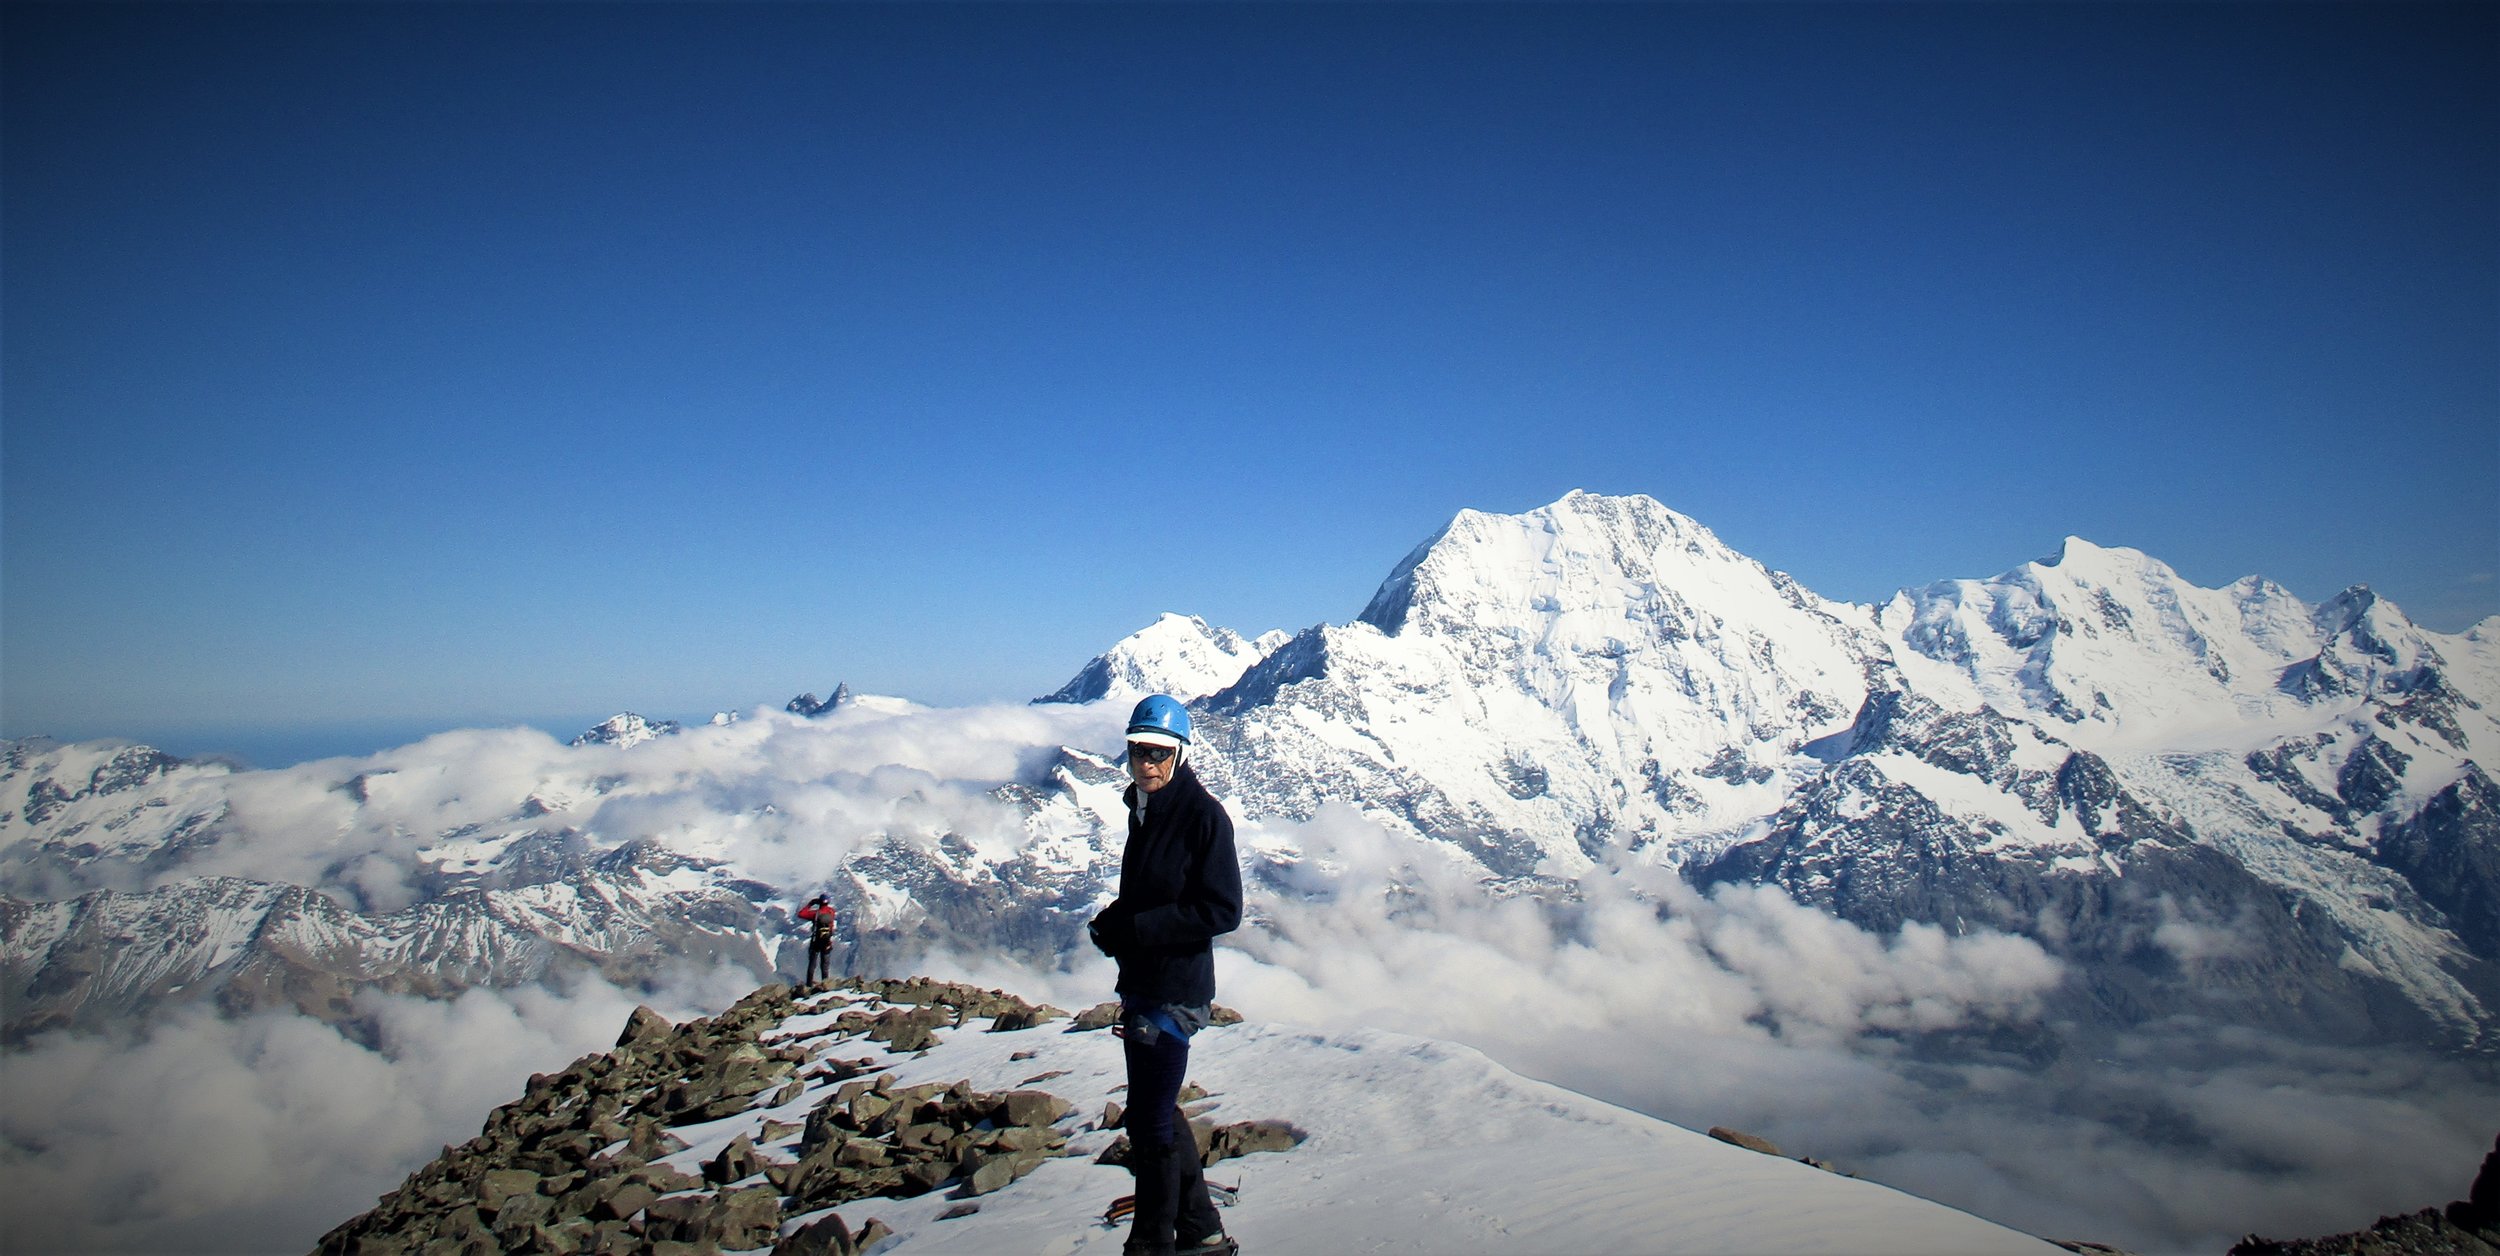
202	1134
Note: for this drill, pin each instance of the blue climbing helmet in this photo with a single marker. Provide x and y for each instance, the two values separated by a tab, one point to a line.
1159	720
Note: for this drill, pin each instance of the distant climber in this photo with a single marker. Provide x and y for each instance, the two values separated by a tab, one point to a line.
1180	886
819	917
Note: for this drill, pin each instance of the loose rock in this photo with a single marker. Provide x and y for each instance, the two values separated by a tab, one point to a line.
1749	1142
826	1236
572	1166
645	1026
499	1185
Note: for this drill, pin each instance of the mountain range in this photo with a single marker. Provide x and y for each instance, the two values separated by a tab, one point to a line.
2221	803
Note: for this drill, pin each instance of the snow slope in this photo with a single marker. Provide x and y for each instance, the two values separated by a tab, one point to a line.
1412	1146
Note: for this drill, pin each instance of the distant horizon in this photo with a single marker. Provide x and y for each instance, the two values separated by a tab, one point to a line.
273	748
279	745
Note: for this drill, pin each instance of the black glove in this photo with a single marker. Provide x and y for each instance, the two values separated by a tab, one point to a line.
1112	931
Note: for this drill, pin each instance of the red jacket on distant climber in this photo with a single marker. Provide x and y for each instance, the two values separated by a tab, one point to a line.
819	915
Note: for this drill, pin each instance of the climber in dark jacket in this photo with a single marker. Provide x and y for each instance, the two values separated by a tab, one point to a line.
1180	886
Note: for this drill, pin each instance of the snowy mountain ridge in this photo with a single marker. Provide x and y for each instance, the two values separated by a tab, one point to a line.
625	728
2125	655
1601	680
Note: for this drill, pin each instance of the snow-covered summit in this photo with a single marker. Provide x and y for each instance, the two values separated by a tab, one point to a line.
2376	645
2109	642
1582	553
625	729
1595	672
2117	652
1181	655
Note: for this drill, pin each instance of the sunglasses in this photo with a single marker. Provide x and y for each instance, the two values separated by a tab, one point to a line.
1140	752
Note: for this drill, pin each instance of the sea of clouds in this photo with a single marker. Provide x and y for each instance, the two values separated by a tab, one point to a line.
203	1133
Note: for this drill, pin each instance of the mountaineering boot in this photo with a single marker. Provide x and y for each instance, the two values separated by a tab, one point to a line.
1196	1228
1150	1227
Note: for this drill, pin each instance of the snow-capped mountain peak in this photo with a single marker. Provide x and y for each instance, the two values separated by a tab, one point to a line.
1181	655
2108	642
1583	553
625	729
1597	671
2360	625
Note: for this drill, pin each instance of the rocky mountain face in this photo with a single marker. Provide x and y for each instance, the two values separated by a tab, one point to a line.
500	904
103	915
2216	803
808	706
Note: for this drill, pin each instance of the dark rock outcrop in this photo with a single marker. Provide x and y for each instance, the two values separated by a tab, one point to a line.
2466	1227
2425	1233
570	1167
1218	1143
1739	1138
806	705
2450	852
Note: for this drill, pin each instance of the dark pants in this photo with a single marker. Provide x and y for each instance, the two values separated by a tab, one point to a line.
819	962
1172	1200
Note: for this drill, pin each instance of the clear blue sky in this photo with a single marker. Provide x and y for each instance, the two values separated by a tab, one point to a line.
436	364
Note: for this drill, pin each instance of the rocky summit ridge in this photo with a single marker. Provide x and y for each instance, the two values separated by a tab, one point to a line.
915	1115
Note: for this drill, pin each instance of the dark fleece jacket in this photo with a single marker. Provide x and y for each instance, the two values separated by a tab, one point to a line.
1180	886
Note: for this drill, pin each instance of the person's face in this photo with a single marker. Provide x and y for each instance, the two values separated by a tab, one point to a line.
1151	776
